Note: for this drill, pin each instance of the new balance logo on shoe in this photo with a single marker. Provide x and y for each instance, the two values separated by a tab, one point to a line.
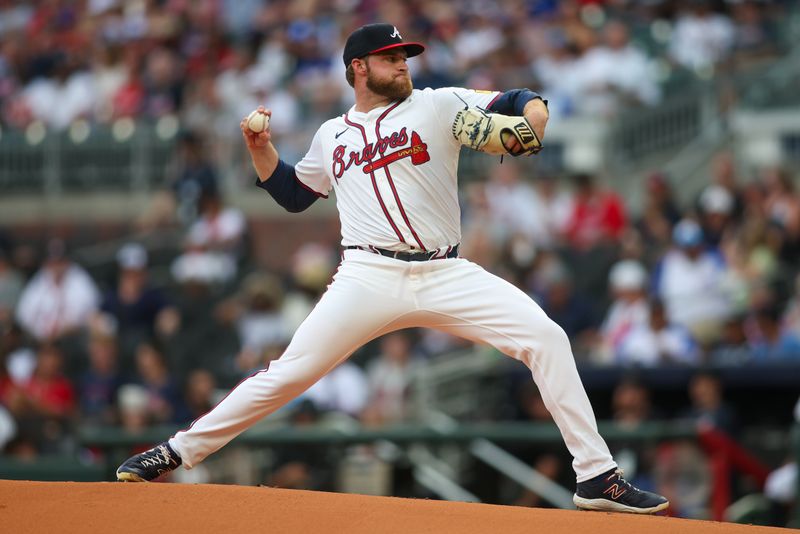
615	491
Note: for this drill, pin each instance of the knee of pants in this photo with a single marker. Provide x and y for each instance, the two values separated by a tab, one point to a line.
548	338
551	335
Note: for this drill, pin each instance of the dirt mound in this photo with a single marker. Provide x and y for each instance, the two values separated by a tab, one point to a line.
67	507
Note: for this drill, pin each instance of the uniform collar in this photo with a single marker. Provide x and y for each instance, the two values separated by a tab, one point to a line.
374	113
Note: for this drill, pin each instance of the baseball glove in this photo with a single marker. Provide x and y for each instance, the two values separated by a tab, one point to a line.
491	132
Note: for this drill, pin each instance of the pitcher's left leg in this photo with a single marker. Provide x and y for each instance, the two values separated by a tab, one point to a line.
465	300
469	302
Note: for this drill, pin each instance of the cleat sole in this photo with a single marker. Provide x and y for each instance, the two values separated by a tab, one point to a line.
126	476
604	505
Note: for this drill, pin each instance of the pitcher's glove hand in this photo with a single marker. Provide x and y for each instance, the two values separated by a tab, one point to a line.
493	133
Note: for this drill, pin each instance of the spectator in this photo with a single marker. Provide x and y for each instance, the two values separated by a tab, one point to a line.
598	216
615	75
631	406
555	206
140	310
752	261
199	397
627	282
213	245
689	280
781	205
681	471
311	269
201	268
65	96
512	205
390	378
304	466
20	357
592	235
163	83
99	385
791	317
189	174
549	461
343	390
707	404
218	228
658	215
479	37
8	428
769	343
716	211
557	69
752	41
657	342
701	38
60	299
256	313
569	309
7	385
108	76
163	398
781	485
133	401
44	405
723	173
11	284
732	348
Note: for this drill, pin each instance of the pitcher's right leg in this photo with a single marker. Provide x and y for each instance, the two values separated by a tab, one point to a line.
352	312
337	326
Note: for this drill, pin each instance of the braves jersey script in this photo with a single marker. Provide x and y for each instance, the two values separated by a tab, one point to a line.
394	170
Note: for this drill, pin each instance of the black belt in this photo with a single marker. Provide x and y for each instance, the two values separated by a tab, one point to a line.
409	256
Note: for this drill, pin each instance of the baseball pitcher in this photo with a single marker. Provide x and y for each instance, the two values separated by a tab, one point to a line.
392	160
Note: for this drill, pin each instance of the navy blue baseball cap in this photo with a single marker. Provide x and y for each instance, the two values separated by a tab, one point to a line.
374	38
687	233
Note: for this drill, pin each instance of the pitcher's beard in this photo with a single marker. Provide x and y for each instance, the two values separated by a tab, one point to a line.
395	88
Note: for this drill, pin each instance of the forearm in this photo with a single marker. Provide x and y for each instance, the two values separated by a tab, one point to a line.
265	161
525	102
536	113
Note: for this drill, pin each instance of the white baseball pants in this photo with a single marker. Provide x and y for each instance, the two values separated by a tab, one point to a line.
372	295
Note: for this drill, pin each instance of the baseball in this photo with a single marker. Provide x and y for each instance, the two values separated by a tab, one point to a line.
257	122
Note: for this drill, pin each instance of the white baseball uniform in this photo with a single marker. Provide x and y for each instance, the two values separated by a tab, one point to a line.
393	170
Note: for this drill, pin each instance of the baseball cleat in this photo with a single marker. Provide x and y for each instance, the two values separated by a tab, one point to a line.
610	492
149	465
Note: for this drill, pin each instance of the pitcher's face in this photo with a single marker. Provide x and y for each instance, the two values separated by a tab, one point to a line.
387	74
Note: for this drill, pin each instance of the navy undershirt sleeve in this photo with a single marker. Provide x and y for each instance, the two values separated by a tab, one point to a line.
287	190
513	102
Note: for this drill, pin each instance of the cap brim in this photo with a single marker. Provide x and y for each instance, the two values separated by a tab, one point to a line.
412	49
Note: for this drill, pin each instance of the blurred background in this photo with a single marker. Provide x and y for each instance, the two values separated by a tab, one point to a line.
142	275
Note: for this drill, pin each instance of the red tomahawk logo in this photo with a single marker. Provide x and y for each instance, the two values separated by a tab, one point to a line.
418	152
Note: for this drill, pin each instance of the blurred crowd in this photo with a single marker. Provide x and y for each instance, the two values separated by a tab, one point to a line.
159	338
210	62
714	282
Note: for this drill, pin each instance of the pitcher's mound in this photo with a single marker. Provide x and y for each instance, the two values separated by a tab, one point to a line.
87	508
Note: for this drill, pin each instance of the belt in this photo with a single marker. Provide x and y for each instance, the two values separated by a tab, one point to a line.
450	252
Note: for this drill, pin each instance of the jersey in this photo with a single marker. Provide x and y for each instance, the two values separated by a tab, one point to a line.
394	170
